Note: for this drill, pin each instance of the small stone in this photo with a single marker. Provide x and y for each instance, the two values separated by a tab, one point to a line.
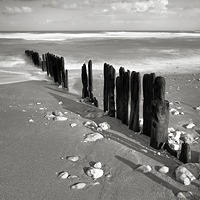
31	120
73	125
38	103
93	137
59	118
78	186
23	111
144	168
164	170
198	108
63	175
190	125
173	111
94	173
60	102
60	86
104	126
73	158
98	165
184	195
90	124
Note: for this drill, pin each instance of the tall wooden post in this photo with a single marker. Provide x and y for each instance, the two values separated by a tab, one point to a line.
84	82
159	115
111	94
185	155
105	89
148	94
125	97
90	81
135	102
66	82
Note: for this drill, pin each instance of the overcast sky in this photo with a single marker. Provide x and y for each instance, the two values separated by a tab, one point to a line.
30	15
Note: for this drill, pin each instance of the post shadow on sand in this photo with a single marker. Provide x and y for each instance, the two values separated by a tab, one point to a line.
153	177
79	108
76	107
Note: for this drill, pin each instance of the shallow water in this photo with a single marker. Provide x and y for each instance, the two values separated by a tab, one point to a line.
139	51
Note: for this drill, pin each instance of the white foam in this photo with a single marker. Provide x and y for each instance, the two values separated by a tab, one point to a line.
68	36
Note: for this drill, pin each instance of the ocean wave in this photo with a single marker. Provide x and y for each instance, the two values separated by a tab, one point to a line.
75	35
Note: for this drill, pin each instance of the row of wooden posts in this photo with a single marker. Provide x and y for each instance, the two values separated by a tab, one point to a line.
122	97
52	64
127	106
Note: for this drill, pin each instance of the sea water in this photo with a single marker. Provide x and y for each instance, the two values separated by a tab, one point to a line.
159	52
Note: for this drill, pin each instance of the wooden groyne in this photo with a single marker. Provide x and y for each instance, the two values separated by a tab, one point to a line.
52	64
122	98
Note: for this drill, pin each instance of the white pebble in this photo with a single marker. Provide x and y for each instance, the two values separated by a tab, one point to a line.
73	158
59	118
98	165
164	170
63	175
31	120
73	125
78	186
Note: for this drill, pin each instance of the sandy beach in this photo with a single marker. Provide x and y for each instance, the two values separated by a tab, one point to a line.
34	149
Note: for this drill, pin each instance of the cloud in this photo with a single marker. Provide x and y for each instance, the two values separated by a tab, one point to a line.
59	5
15	10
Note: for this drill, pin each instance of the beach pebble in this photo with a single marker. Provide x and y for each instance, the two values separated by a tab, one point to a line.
144	168
198	108
184	175
93	137
38	103
60	118
49	115
98	165
164	170
60	102
78	186
31	120
94	172
104	126
184	195
73	125
73	158
190	125
63	175
60	86
90	124
173	111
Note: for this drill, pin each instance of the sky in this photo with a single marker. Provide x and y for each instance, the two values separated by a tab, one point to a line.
54	15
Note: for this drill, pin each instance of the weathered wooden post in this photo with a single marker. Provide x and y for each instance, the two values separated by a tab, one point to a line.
66	82
135	101
159	115
58	69
105	89
111	91
125	97
185	155
119	93
90	81
148	94
84	82
43	62
47	64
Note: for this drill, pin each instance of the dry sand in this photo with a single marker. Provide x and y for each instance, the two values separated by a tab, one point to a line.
34	152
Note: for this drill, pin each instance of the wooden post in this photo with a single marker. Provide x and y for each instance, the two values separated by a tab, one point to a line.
105	89
84	82
135	102
119	93
47	64
58	69
111	89
118	97
185	155
159	115
125	97
90	81
66	83
148	94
